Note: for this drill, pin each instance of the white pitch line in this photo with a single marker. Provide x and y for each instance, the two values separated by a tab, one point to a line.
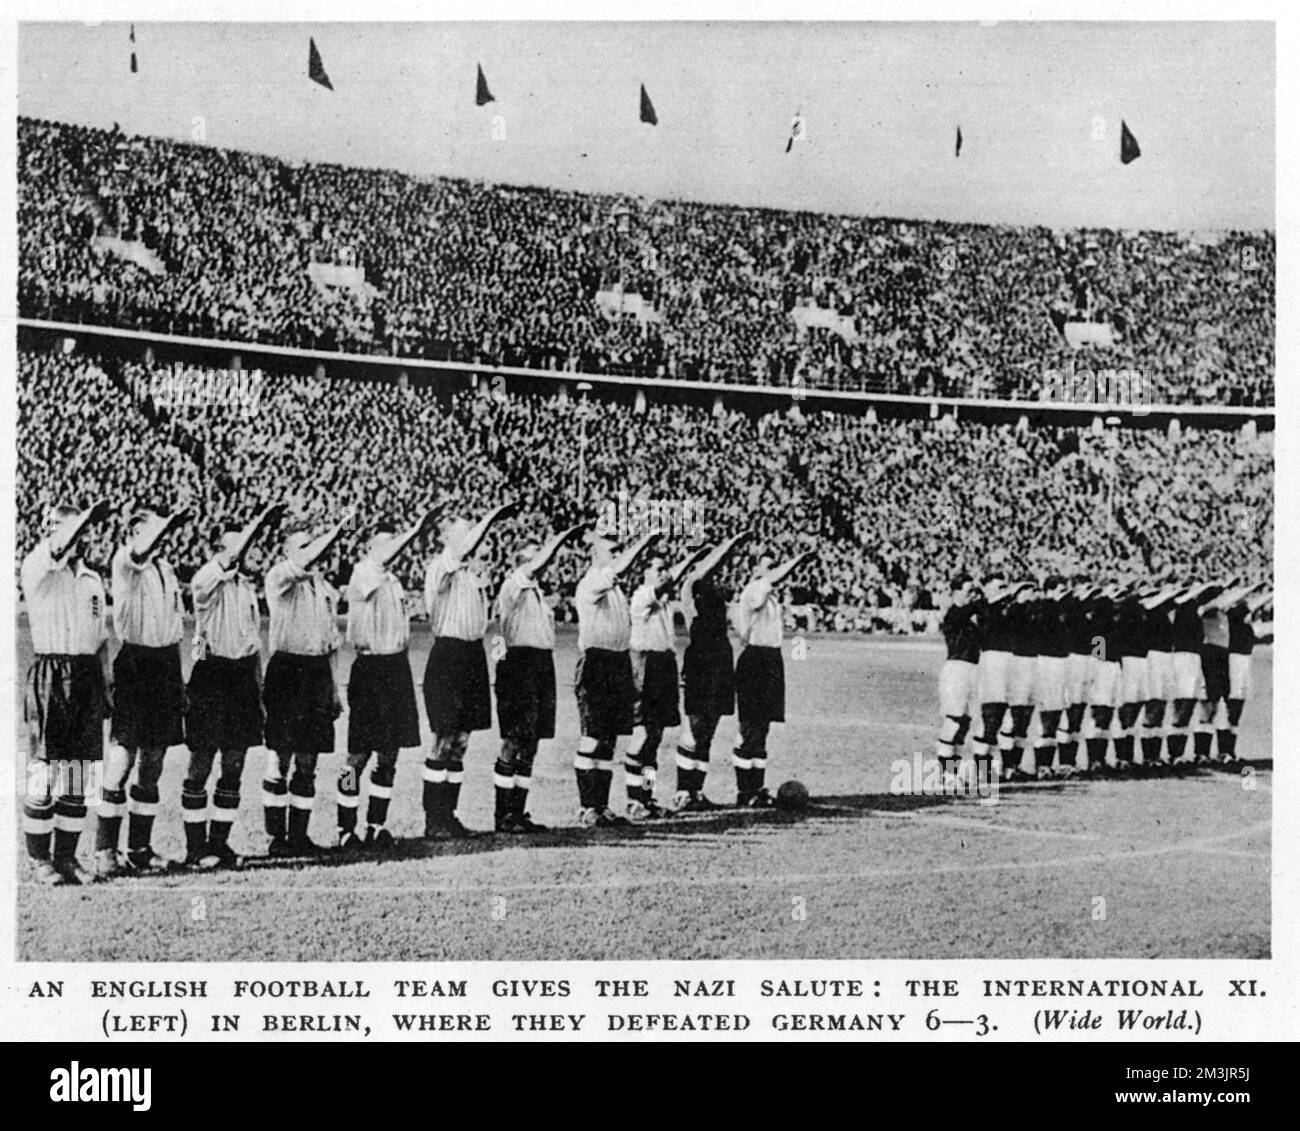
1091	858
1211	850
974	823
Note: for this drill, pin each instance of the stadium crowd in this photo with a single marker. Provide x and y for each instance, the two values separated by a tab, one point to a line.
893	508
193	239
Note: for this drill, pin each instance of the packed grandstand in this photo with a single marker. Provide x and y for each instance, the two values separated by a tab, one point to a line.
153	235
193	239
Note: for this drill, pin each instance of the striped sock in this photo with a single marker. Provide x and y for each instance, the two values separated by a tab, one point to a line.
141	810
381	793
69	819
348	799
194	813
584	772
38	825
302	796
225	807
275	800
108	826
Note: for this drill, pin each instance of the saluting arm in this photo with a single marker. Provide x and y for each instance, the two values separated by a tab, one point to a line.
547	553
720	553
479	532
73	528
268	517
399	544
148	540
311	553
781	572
1258	601
672	579
628	557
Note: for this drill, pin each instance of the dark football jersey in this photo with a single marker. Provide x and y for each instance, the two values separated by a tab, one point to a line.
710	623
1241	633
1022	622
1075	624
961	632
1187	630
1052	637
1159	630
1101	626
1129	637
998	633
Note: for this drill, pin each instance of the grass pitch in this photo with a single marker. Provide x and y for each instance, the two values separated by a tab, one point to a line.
1174	867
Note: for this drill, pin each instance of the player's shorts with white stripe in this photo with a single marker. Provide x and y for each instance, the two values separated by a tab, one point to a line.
1103	682
1240	684
1160	675
993	676
1133	679
1020	680
1050	683
956	683
1076	678
1187	677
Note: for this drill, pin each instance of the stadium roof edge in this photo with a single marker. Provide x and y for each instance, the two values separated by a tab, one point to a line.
614	195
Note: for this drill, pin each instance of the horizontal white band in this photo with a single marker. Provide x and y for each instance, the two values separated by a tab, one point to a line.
194	816
296	802
684	763
275	800
522	782
37	826
110	809
142	808
606	766
455	777
581	763
758	763
384	791
348	800
433	775
69	824
634	781
741	763
503	782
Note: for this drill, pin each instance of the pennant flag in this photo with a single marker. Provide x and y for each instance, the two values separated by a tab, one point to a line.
482	96
796	130
957	151
648	114
134	68
1128	144
315	68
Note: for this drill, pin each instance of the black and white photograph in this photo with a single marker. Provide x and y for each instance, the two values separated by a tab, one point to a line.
642	490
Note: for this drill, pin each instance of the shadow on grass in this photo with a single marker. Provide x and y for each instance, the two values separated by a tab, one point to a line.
719	822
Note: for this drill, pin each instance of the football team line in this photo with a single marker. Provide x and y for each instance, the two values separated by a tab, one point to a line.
627	682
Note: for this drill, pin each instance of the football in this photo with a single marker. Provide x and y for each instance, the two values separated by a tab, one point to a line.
792	795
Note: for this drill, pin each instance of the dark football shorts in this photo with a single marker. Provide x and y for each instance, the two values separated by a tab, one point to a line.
64	707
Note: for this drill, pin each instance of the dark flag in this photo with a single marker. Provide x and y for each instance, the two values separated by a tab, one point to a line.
648	114
1128	144
134	68
957	151
315	68
482	96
